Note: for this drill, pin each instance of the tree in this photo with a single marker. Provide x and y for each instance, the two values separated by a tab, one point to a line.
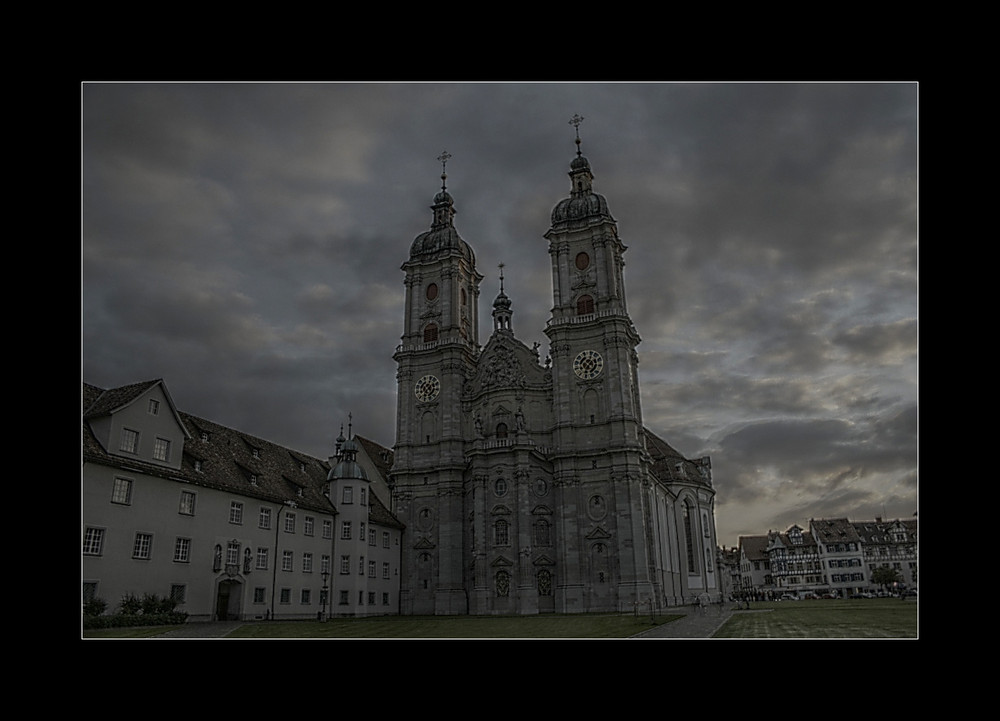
886	576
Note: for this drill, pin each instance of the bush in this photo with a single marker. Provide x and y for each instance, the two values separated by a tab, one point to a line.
150	610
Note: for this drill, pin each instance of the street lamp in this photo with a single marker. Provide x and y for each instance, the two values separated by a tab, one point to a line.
326	596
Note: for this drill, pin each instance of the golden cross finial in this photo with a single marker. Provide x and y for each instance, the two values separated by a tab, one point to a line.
575	121
444	157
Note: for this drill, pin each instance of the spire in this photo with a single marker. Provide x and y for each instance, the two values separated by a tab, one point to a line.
501	308
444	204
575	122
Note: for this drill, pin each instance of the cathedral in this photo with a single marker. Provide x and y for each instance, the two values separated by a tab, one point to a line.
531	485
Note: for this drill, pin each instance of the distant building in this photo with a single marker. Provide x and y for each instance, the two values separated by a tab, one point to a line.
835	557
228	525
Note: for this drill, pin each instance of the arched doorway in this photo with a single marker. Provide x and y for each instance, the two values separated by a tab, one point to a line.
228	600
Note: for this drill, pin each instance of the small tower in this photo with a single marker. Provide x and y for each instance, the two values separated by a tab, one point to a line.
501	310
350	493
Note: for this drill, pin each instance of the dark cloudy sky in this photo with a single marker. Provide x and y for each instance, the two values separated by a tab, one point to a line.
243	242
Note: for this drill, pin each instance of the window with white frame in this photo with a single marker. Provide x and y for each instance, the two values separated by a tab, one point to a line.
154	407
324	564
161	449
348	494
232	553
287	558
307	563
130	441
385	571
345	531
345	564
182	550
262	559
327	529
258	594
236	512
187	503
289	523
361	566
141	547
307	525
372	537
306	597
122	492
362	496
372	568
93	541
264	518
385	539
286	595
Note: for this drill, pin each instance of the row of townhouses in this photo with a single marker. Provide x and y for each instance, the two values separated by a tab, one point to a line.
835	557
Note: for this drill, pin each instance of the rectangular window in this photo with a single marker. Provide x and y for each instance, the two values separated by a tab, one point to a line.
306	597
182	550
142	545
93	541
89	591
307	525
236	512
348	494
178	593
385	571
324	564
372	567
327	529
345	531
122	492
232	553
264	518
286	595
187	503
130	441
371	598
154	407
343	598
262	559
385	539
372	537
289	523
345	563
385	599
258	594
361	566
307	563
161	449
286	560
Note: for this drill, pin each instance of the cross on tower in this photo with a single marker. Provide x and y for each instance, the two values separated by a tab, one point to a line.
575	122
444	157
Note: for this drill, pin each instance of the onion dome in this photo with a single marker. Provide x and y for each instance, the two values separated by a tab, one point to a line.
442	238
348	466
583	207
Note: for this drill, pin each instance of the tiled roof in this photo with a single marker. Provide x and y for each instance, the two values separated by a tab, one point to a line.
754	547
834	530
668	464
227	458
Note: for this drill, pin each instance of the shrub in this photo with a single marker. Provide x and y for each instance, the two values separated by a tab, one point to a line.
150	610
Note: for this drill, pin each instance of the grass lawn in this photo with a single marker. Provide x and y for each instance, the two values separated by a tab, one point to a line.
850	618
522	627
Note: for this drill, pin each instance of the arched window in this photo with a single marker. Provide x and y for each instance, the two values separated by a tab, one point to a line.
692	557
542	532
501	533
501	430
584	305
430	333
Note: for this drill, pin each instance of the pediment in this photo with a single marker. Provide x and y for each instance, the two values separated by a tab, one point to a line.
598	533
501	562
505	364
423	544
543	560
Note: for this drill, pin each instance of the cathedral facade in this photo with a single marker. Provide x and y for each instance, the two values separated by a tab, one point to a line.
531	485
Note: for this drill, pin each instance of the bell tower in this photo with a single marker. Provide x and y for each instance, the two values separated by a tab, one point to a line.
440	344
592	336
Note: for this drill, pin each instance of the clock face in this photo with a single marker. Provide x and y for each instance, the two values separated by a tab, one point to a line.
588	364
427	388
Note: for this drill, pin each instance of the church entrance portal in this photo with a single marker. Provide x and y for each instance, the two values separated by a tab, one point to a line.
228	601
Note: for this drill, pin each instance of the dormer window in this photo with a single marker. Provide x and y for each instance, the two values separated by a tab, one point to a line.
130	441
253	479
161	449
198	466
204	436
256	453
